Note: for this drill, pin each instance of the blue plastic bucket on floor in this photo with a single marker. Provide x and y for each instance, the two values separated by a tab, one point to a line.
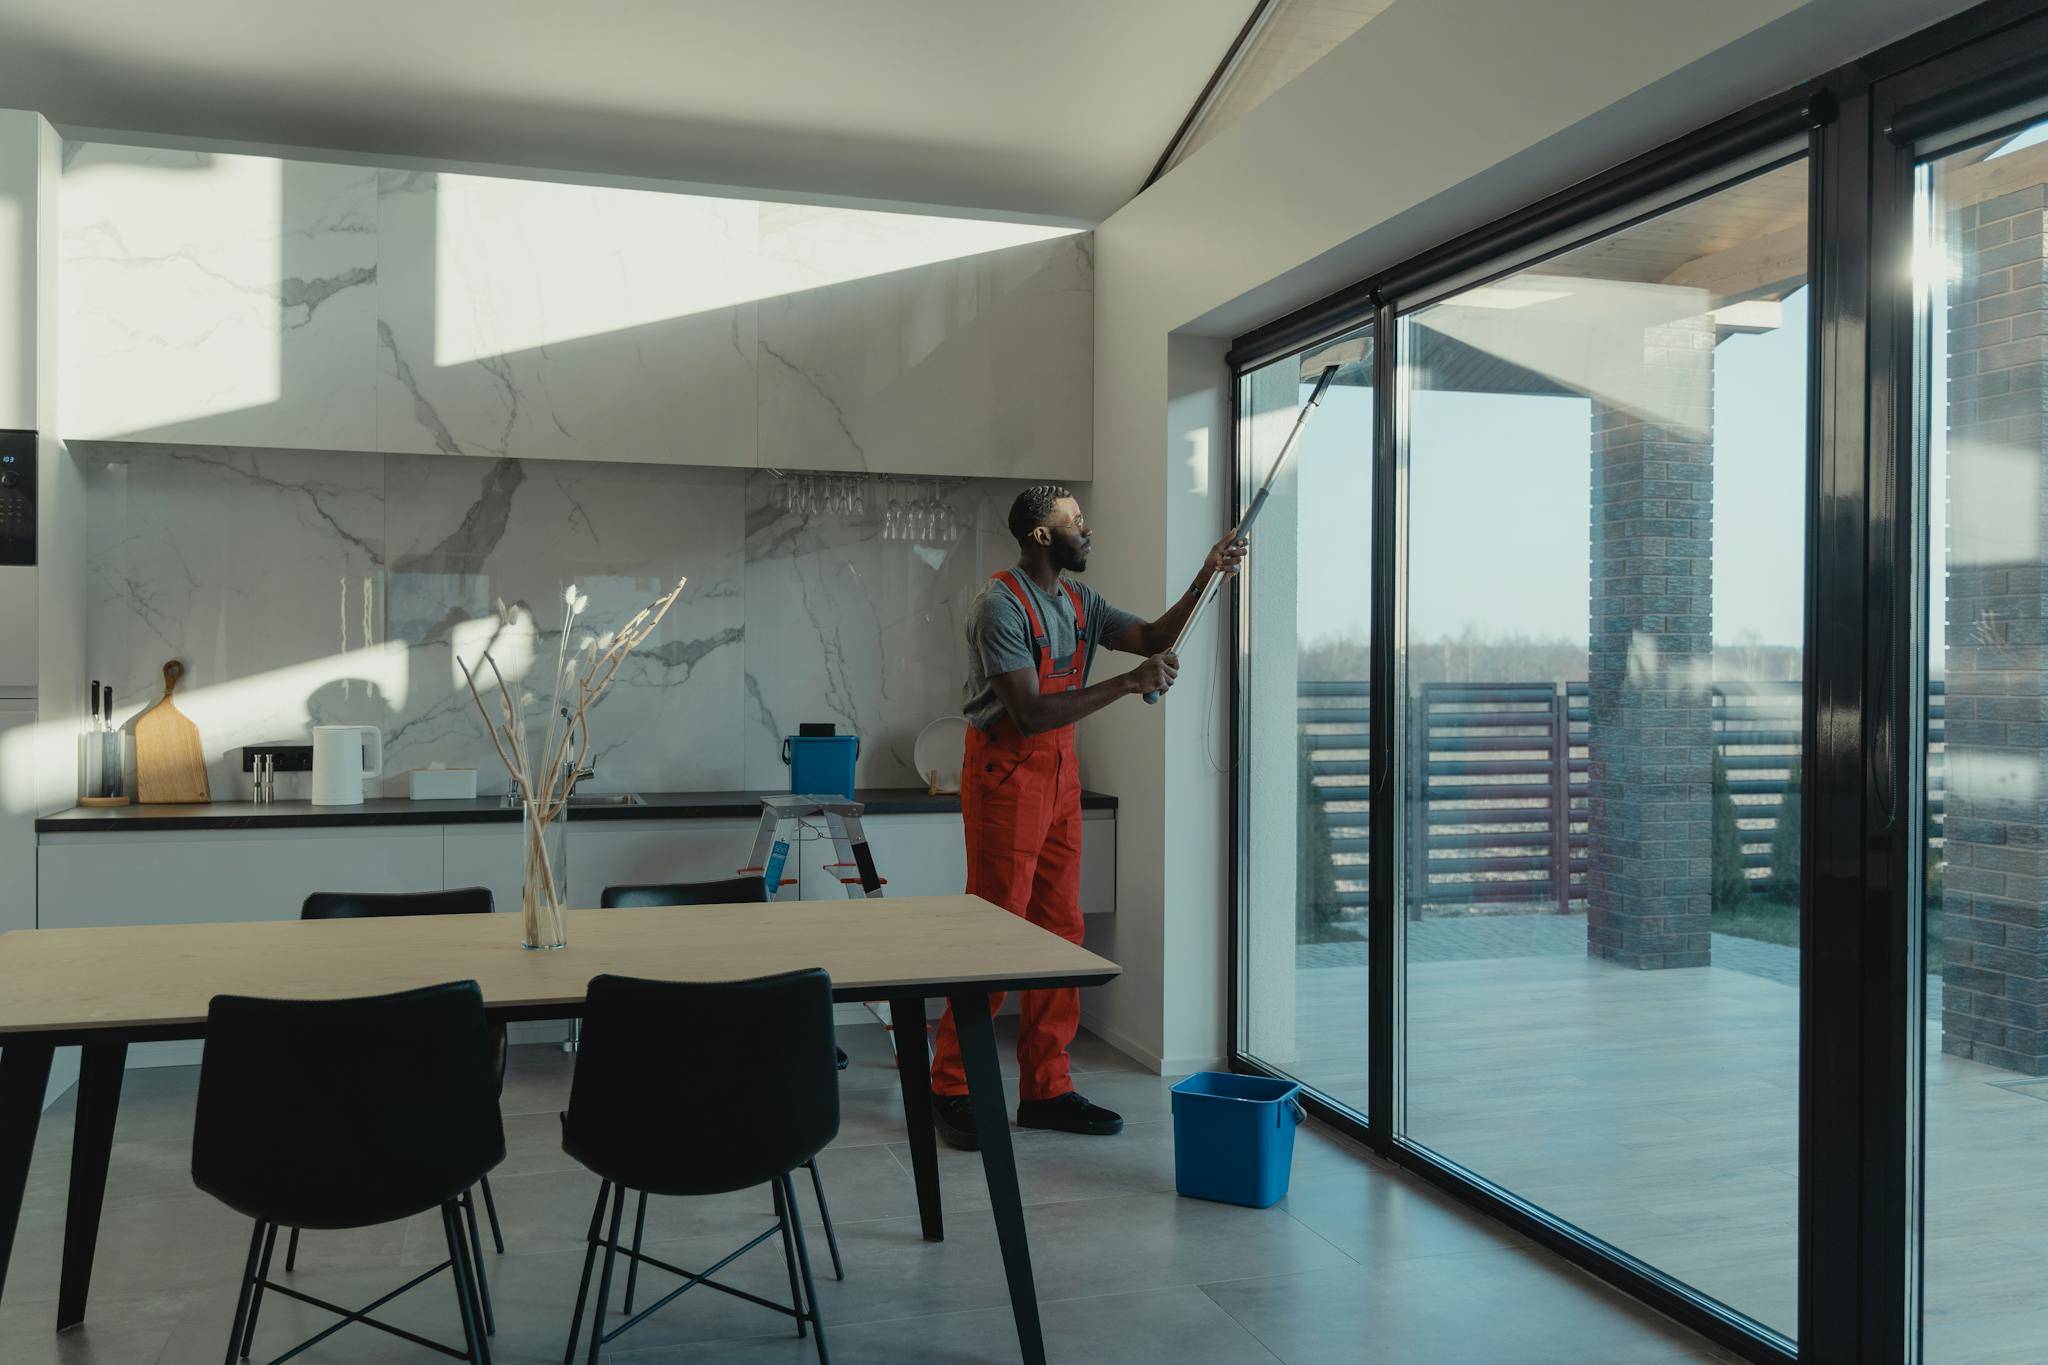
1233	1137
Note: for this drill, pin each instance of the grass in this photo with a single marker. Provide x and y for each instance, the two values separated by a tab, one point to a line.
1769	919
1764	918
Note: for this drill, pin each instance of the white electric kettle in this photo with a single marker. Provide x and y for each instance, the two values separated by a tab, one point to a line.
344	756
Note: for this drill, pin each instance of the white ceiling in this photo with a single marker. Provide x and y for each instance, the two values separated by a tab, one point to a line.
1291	37
1052	107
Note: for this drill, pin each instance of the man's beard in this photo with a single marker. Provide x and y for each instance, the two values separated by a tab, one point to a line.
1067	559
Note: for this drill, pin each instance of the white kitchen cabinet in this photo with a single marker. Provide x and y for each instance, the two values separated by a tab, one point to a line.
602	853
1098	862
919	855
193	876
190	876
926	855
631	852
216	299
184	877
487	856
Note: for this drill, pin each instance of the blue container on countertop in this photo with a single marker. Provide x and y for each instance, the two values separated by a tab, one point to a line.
1233	1137
821	765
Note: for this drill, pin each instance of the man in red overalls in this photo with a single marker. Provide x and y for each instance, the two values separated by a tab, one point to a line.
1032	634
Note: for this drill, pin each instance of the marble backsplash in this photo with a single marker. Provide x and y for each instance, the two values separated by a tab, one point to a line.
322	587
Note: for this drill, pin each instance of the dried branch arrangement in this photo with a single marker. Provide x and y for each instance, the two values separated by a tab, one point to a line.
545	776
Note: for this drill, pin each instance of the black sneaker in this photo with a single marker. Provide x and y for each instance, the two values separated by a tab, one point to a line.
1070	1113
953	1116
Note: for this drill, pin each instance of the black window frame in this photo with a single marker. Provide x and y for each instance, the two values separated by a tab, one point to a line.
1860	1115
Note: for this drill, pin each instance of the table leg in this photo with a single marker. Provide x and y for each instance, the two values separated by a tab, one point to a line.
999	1163
24	1076
101	1066
914	1074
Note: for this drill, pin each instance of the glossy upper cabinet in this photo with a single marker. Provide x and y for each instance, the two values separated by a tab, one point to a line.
236	300
29	151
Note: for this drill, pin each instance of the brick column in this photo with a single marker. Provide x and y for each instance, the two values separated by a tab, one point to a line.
1995	878
1649	884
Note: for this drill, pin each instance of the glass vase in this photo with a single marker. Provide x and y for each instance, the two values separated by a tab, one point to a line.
544	891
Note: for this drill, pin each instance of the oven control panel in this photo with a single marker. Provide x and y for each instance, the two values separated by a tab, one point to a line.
17	497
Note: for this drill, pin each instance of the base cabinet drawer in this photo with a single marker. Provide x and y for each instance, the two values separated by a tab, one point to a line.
167	877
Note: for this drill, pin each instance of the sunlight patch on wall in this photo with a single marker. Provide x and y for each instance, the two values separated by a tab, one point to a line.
522	264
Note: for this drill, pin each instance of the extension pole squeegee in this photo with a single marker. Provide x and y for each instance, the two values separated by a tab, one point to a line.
1251	513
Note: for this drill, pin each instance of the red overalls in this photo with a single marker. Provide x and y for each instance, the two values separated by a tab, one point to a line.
1020	798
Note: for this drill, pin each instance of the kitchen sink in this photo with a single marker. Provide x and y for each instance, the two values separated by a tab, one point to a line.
607	799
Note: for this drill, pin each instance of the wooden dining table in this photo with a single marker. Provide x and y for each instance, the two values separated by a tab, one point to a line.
104	989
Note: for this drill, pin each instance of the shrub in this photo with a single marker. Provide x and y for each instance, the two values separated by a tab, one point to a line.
1315	878
1785	841
1731	881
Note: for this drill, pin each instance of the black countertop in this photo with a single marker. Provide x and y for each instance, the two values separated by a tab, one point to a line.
730	805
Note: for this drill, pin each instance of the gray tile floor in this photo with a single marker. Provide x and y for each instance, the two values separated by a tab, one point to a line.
1361	1262
1659	1111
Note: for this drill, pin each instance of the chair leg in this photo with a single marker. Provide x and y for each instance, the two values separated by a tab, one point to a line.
491	1213
633	1265
256	1299
825	1213
796	1293
465	1297
291	1253
803	1260
242	1301
479	1299
604	1191
476	1250
604	1281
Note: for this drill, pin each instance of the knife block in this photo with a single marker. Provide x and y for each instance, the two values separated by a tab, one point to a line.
102	776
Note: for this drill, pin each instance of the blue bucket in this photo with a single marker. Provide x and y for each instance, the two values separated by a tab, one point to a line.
1233	1137
821	765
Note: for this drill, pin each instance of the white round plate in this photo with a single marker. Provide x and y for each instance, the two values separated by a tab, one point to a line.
940	745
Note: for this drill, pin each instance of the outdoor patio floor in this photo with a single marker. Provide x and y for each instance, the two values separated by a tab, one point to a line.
1658	1110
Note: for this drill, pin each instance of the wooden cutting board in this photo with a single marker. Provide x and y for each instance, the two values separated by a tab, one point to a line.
170	767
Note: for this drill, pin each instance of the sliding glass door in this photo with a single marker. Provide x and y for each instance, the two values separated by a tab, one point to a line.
1600	861
1981	278
1642	788
1305	715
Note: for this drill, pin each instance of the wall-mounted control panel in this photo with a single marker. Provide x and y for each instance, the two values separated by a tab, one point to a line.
17	497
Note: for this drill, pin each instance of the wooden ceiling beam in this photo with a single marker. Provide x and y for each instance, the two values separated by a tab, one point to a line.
1962	186
1765	265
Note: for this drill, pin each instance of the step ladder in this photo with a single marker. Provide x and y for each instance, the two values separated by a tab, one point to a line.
783	822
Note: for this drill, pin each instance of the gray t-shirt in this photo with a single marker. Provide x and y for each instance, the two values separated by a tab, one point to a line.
999	636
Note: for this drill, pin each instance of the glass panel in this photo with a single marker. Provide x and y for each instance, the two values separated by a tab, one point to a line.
1308	604
1600	859
1985	362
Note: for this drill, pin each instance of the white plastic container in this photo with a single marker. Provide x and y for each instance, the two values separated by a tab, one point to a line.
443	784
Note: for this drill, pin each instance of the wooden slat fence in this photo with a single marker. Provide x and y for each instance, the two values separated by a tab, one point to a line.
1497	783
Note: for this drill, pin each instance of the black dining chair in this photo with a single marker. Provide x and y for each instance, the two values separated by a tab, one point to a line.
468	900
700	1088
347	1114
725	891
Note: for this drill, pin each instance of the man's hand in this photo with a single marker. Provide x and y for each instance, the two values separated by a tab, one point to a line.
1156	674
1225	557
